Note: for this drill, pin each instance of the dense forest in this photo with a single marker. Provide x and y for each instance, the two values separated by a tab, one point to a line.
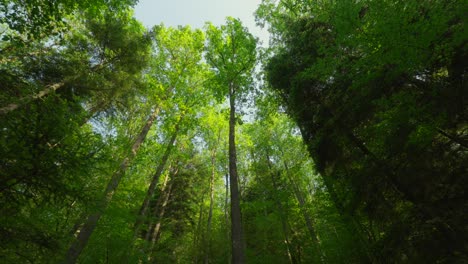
345	140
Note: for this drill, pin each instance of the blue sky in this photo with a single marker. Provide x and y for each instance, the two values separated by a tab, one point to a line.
196	12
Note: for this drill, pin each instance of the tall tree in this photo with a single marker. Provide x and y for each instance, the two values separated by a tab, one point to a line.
90	224
232	55
213	127
155	178
52	159
32	20
155	231
107	52
178	53
383	102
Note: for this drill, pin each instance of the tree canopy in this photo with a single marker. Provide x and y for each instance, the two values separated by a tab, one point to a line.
343	141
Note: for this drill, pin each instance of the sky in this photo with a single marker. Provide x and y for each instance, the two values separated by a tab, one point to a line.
196	12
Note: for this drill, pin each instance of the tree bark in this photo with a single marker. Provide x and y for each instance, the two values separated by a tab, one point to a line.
159	216
238	256
159	202
199	236
210	212
81	241
226	210
307	218
155	180
50	88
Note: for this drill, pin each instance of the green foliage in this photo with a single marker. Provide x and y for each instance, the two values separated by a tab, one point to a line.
38	19
375	88
231	52
355	153
54	161
43	148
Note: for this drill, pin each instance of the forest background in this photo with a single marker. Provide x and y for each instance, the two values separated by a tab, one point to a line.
344	140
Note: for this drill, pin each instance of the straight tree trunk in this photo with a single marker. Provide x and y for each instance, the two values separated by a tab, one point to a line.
302	206
199	235
156	233
284	226
238	256
281	210
226	209
159	202
154	181
81	241
210	212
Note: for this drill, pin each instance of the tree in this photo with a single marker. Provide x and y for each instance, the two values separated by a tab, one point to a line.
371	100
100	61
33	20
231	54
178	60
155	179
120	144
212	129
81	241
52	160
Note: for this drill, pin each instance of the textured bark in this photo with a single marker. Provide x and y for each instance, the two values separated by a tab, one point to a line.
80	242
155	180
238	256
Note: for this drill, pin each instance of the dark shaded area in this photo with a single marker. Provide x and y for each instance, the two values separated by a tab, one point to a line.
390	138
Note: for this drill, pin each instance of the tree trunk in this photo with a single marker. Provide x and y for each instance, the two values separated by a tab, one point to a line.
284	224
460	141
80	242
22	101
281	210
226	209
49	88
159	202
157	228
238	256
199	236
155	180
302	206
210	212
